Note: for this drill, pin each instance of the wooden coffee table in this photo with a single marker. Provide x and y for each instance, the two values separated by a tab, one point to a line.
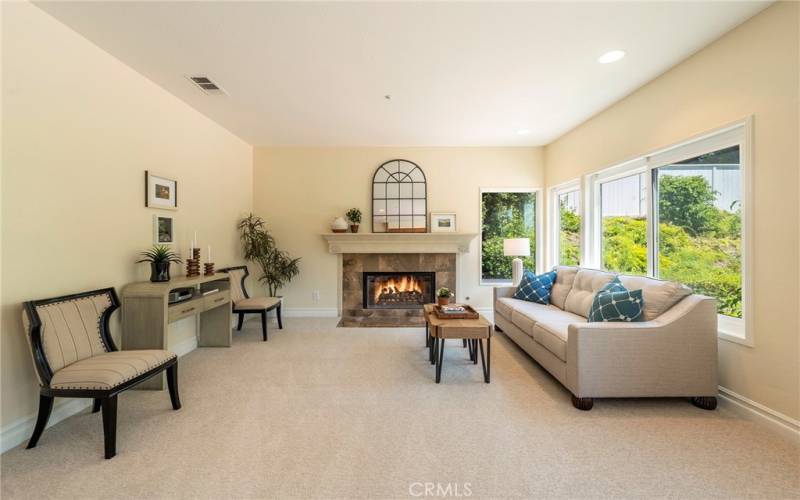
472	331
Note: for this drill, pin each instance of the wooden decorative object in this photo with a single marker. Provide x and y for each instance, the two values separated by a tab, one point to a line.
196	254
469	313
209	267
193	266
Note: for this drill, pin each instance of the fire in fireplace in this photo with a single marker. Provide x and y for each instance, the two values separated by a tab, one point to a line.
398	290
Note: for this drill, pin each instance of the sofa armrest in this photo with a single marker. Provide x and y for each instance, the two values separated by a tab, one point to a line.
672	355
503	291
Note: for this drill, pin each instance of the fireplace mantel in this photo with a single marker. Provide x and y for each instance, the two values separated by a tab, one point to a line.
398	242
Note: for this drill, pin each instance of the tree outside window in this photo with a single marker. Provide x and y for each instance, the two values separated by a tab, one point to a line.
505	215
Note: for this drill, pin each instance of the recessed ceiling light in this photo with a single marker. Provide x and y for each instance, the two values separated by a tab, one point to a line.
523	131
611	56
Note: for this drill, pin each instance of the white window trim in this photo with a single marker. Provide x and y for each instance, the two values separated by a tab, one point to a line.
537	223
554	220
593	252
736	133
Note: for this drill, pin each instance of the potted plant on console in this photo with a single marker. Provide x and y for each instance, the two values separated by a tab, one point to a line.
159	257
354	216
443	296
277	267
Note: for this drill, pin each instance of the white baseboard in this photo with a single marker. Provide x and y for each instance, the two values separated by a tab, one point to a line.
184	347
310	312
20	431
750	410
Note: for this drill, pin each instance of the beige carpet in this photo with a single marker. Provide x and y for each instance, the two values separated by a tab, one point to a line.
325	412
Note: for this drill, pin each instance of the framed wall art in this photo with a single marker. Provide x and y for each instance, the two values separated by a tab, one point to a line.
160	192
443	222
163	230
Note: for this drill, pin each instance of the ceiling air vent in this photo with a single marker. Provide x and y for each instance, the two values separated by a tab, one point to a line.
206	85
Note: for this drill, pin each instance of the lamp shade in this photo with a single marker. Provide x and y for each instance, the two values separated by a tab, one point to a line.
517	247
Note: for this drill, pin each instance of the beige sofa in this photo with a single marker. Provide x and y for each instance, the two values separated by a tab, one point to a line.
673	352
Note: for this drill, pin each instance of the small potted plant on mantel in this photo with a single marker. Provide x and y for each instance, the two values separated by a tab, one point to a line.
159	257
354	216
443	296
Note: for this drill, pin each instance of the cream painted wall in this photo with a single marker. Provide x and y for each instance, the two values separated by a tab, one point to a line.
752	70
79	129
300	190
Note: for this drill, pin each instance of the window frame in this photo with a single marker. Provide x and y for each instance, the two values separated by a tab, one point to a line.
537	221
554	221
738	133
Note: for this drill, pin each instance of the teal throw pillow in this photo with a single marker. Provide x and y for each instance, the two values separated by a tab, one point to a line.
617	304
535	288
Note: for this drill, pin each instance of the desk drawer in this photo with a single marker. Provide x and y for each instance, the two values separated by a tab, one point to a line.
217	299
178	311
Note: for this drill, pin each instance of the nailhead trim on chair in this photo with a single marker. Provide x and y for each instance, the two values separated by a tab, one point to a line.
70	387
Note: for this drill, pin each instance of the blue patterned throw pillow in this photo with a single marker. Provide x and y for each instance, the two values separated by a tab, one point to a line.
614	285
535	288
614	302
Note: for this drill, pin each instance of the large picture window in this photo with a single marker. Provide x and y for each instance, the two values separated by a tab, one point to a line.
699	233
680	214
566	220
505	214
624	225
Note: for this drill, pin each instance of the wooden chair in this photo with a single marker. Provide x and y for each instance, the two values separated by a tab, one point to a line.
75	357
243	304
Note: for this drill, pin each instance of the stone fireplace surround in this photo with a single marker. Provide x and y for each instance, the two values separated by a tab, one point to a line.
401	252
355	264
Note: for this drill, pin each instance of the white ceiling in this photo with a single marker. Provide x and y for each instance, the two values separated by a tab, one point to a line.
461	74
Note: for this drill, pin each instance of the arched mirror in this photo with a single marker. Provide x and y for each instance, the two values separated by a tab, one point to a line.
399	198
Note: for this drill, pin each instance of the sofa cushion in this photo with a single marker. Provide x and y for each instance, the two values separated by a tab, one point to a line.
658	295
551	329
585	286
614	303
565	276
535	288
108	370
504	306
524	314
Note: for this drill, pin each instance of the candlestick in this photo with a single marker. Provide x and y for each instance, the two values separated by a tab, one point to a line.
209	253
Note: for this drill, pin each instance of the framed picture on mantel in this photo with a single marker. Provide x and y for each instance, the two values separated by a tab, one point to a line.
443	222
160	192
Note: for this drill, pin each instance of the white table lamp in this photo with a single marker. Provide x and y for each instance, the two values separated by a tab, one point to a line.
516	247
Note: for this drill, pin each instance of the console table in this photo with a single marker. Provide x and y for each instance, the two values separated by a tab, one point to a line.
147	313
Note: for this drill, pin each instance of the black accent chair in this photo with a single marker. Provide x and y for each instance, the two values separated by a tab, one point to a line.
75	357
242	303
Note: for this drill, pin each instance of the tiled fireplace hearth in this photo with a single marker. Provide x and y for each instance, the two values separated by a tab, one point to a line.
389	289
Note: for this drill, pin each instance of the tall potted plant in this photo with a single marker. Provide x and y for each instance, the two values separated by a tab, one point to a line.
354	216
159	257
277	267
